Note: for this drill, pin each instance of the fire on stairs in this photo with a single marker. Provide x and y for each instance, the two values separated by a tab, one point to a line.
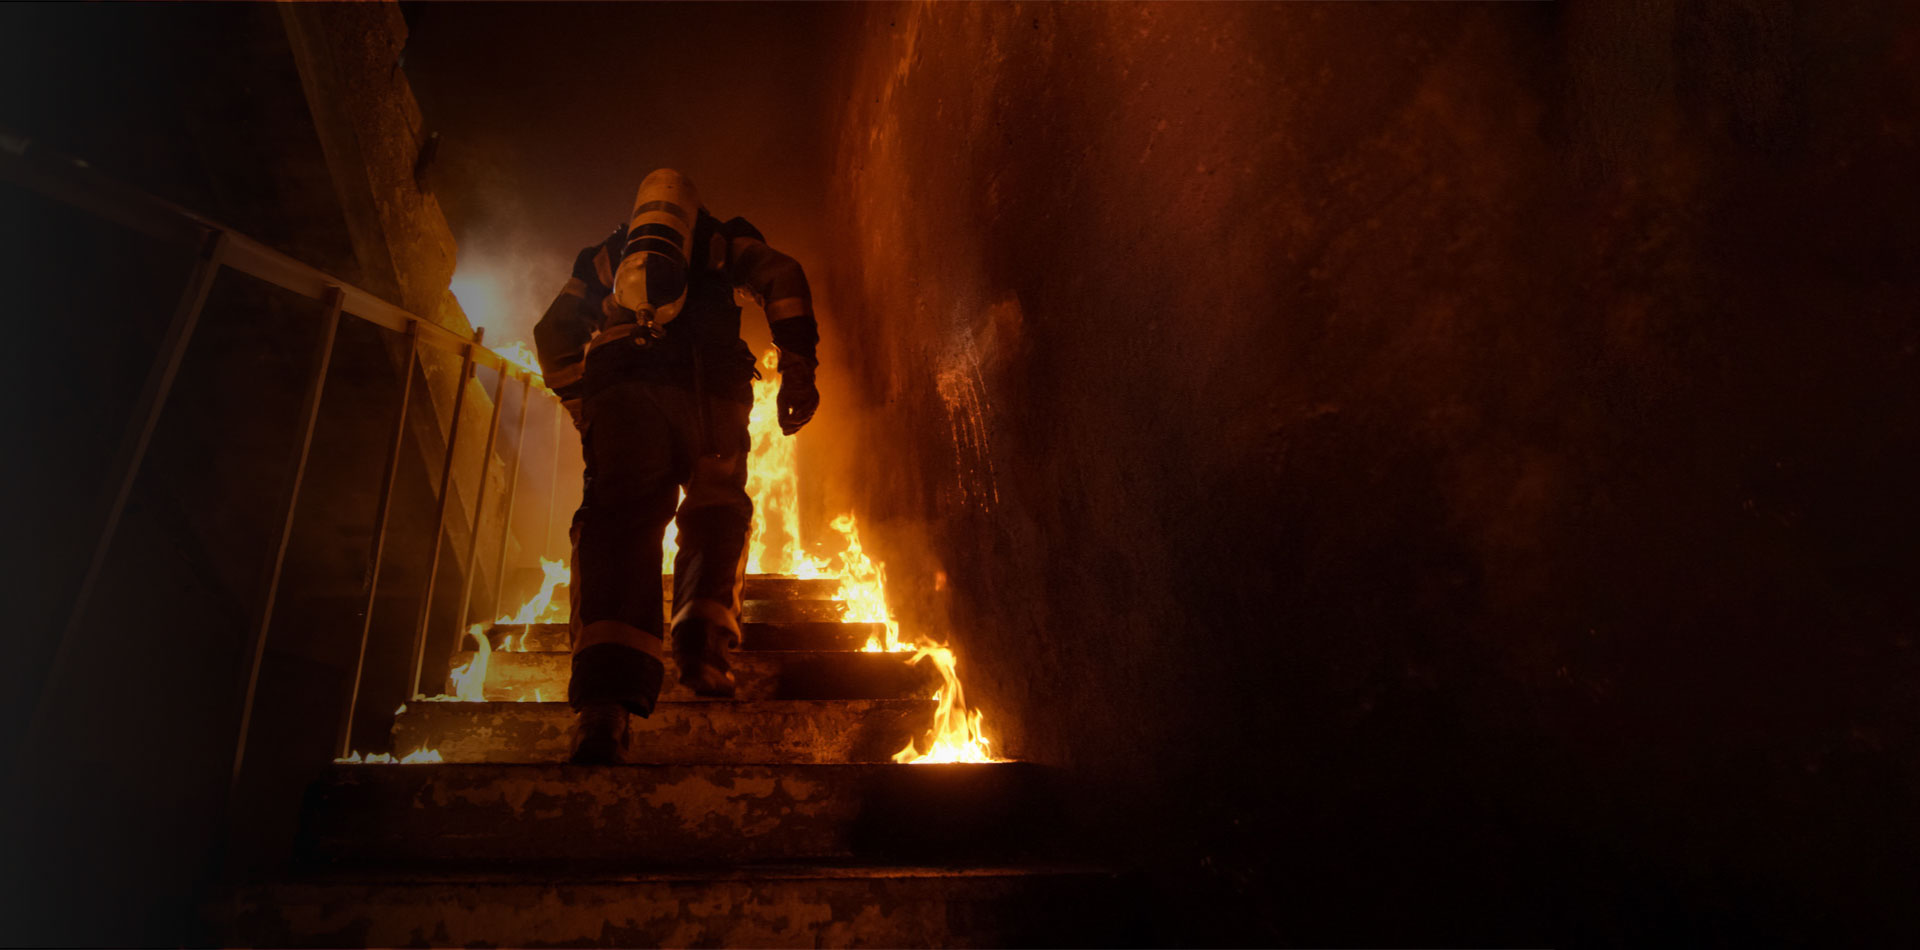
845	797
775	819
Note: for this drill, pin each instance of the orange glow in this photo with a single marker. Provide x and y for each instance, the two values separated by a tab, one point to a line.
520	355
773	481
416	757
670	546
863	588
774	546
541	608
469	681
956	734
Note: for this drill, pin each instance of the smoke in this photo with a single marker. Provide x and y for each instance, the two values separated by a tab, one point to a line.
510	262
504	282
551	114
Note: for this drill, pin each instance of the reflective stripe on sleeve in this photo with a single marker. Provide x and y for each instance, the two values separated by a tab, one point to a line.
786	307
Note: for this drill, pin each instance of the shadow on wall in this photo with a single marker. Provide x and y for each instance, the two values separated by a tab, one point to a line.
116	805
1435	474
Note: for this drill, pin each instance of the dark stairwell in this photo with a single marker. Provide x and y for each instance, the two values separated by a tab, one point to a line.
1413	474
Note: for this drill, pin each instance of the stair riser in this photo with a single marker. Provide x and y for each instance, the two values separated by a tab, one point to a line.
708	732
774	587
799	635
754	611
522	677
668	815
908	911
792	611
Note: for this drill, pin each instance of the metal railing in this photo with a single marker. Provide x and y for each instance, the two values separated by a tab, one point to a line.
72	183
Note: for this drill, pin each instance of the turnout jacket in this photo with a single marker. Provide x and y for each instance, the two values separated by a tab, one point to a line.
585	339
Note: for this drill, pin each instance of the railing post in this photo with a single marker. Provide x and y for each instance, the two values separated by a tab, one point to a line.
310	417
440	515
480	499
513	488
131	455
379	547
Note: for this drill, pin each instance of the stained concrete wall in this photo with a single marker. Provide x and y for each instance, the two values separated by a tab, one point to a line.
1432	473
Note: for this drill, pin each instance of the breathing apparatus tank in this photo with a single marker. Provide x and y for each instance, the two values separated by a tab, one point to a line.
652	277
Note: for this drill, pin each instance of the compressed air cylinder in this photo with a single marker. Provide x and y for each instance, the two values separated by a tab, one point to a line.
652	277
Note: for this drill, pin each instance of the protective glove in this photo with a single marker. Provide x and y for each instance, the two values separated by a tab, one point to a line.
798	399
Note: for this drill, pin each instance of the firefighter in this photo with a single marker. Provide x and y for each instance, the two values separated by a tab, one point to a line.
643	348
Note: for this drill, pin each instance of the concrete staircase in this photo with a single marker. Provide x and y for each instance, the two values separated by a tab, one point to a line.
774	819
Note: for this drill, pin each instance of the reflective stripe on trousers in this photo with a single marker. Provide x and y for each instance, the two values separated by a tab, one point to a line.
642	443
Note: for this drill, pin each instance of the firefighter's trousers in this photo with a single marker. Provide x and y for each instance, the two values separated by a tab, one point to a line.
643	441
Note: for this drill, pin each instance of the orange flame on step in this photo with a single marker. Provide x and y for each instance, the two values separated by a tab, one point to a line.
670	545
774	547
863	588
956	734
535	610
469	681
773	481
416	757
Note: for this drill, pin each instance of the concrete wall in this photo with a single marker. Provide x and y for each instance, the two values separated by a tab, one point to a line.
1434	473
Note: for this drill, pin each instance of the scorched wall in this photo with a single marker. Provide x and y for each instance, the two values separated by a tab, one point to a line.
1433	473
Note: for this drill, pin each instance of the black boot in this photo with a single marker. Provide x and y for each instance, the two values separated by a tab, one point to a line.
600	734
700	652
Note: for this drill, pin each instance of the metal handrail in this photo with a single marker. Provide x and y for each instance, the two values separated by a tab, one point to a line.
71	182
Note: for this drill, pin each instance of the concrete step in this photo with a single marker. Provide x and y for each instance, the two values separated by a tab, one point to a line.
719	731
775	587
362	816
791	611
751	611
791	674
755	907
804	635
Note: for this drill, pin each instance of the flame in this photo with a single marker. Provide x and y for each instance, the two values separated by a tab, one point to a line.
469	681
773	547
536	609
519	354
670	545
773	481
863	588
416	757
956	735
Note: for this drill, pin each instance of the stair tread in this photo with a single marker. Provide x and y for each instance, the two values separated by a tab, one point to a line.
679	814
519	676
711	731
902	655
574	872
768	706
777	586
755	906
758	636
